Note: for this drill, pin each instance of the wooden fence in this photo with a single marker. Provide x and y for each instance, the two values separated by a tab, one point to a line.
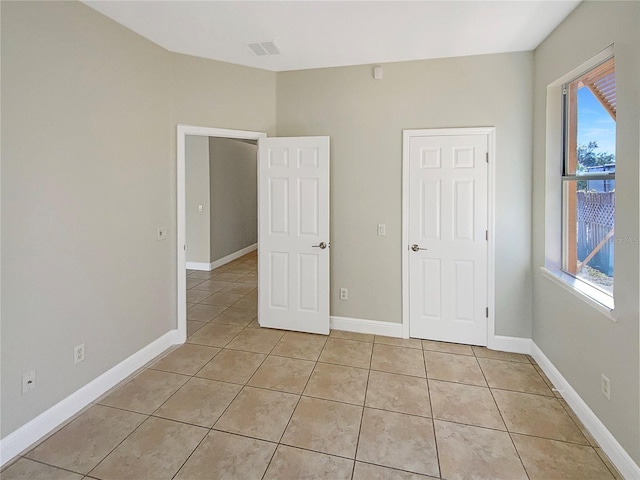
596	211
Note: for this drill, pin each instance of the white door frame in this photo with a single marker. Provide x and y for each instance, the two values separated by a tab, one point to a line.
491	182
181	191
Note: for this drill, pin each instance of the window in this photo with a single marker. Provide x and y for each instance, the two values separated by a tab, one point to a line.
588	181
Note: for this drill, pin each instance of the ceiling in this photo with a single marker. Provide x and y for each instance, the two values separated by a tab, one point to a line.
316	34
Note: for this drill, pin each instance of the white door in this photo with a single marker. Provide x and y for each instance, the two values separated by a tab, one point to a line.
293	233
447	236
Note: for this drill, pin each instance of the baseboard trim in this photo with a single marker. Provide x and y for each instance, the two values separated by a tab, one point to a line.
205	267
618	456
510	344
31	432
232	256
359	325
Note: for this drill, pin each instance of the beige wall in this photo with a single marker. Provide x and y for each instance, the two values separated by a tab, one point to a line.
198	225
86	169
365	119
234	196
89	114
579	341
208	93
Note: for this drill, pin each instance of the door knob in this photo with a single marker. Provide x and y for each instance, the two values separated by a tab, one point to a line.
415	247
321	245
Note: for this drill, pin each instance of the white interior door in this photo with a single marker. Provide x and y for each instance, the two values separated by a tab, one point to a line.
293	233
447	235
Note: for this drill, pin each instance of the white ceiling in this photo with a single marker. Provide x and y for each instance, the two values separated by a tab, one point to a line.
315	34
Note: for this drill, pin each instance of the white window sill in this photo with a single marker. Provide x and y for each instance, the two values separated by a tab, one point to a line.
593	297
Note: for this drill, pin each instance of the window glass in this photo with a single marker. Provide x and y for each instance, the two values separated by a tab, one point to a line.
589	186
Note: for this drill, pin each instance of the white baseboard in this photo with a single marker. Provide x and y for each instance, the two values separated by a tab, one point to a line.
359	325
207	267
232	256
510	344
618	456
31	432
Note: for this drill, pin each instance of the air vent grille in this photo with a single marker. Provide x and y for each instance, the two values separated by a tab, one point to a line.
260	49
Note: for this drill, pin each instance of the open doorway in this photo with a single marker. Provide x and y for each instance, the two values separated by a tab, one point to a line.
221	200
219	257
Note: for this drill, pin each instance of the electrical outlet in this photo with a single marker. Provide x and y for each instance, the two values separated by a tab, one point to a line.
78	353
28	381
344	294
606	385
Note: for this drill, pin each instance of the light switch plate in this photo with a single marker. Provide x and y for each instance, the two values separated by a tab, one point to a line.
162	233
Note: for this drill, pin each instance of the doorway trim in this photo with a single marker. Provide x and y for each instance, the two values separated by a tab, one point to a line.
491	174
181	205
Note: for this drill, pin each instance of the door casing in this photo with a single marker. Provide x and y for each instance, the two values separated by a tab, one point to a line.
406	136
181	191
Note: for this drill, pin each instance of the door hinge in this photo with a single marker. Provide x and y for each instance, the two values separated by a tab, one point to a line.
486	235
487	312
487	157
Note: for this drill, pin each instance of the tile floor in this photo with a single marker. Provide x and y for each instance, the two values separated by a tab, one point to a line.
240	402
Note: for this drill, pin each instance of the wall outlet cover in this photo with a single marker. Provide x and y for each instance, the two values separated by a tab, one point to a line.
78	353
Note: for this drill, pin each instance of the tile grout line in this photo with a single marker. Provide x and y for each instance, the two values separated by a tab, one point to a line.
433	421
237	394
426	372
191	454
551	439
291	416
505	424
569	412
364	405
120	443
402	470
43	463
520	391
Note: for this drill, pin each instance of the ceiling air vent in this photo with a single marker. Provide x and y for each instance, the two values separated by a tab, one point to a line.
260	49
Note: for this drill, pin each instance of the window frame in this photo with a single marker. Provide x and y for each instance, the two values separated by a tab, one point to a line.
555	206
570	176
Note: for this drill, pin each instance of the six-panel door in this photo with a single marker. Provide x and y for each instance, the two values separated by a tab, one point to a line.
448	225
293	266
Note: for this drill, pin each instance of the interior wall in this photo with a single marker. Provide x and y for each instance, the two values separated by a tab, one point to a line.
89	115
365	119
234	196
208	93
198	225
581	342
86	168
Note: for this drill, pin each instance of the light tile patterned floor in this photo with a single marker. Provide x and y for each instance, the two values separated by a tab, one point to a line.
240	402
